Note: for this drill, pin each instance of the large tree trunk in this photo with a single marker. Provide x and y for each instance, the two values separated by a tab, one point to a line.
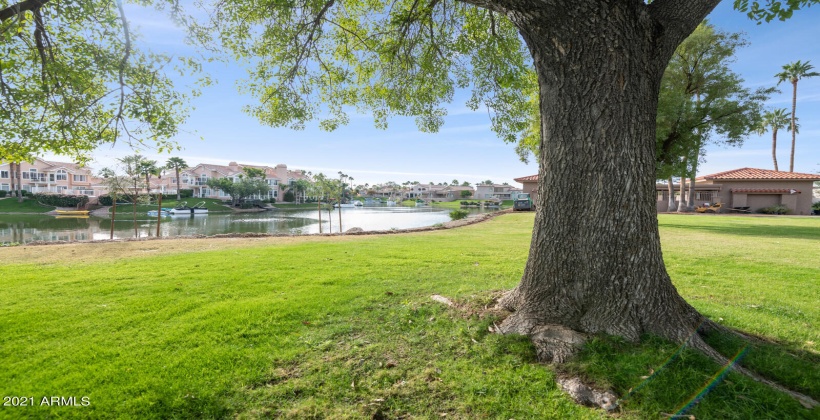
595	263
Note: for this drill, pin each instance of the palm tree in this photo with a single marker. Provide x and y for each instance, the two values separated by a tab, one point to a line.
147	168
177	164
774	120
793	72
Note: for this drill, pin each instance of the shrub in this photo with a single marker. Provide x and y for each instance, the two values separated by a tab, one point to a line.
815	206
3	193
105	200
61	200
778	209
289	197
458	214
185	193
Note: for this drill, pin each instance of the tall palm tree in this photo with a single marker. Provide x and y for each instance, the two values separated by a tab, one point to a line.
793	72
177	164
147	168
774	120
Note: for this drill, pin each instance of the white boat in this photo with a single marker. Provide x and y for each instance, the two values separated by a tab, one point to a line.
180	209
199	208
358	203
154	213
344	206
391	203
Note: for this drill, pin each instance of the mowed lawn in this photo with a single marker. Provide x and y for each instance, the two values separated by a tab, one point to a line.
344	327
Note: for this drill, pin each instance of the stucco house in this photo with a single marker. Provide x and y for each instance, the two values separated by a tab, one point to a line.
495	191
753	188
196	178
453	193
529	185
42	176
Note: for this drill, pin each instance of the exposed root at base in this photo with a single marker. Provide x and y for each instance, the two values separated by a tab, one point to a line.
700	345
556	344
585	395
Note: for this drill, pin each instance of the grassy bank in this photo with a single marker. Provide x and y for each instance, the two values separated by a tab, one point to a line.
344	327
214	206
10	205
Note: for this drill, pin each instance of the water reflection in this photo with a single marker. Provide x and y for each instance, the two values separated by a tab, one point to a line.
30	228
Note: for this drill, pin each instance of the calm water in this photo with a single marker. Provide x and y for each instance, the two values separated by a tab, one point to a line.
29	228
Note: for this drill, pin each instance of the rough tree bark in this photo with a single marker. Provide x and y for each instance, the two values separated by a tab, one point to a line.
595	263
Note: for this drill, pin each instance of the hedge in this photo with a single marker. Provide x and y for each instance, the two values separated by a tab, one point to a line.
61	200
3	193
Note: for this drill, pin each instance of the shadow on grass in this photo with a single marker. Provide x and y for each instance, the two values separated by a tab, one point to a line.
654	378
740	229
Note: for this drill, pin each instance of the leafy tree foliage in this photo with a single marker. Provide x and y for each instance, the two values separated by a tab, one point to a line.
72	77
702	98
252	182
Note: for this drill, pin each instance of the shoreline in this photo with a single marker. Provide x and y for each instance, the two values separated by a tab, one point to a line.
470	220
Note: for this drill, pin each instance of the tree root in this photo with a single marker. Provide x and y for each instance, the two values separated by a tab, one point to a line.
585	395
697	343
556	344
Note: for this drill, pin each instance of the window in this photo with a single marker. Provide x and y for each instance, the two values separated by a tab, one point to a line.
62	175
79	178
4	174
704	195
51	177
5	187
25	175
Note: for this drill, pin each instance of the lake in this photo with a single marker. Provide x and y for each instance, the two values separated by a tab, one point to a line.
27	228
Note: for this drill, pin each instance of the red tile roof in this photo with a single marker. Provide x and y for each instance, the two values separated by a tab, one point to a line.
761	174
765	190
530	178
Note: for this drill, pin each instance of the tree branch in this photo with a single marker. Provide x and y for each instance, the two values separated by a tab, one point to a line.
124	60
23	6
675	20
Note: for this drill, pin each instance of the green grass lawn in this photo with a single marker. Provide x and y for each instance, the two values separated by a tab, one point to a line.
344	327
10	205
214	206
291	206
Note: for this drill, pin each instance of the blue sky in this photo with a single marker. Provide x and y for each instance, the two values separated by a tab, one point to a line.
465	149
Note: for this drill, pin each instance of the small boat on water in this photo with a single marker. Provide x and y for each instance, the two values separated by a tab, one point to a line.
358	203
73	212
155	213
199	208
344	206
180	209
183	210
